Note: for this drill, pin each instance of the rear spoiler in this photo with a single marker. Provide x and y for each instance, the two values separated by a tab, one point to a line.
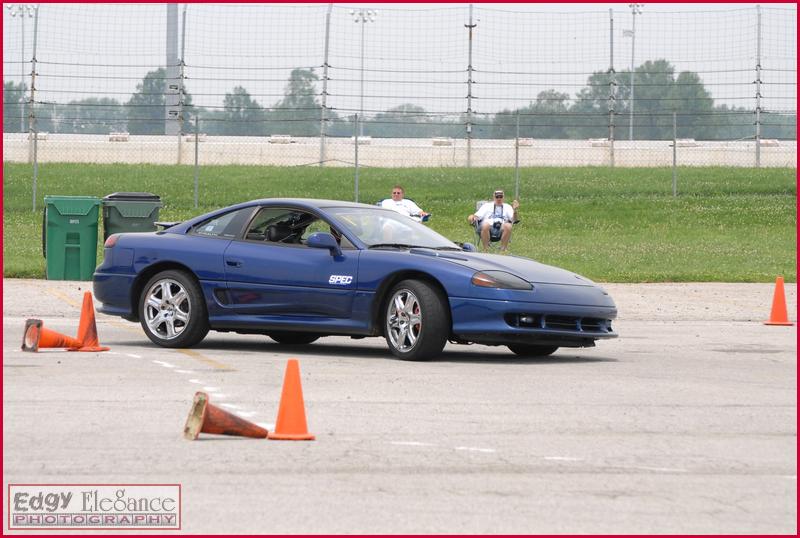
165	225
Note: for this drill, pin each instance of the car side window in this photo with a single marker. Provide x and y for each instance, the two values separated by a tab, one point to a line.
320	225
225	226
278	225
283	226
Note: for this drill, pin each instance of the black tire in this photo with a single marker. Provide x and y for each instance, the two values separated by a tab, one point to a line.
179	320
293	338
419	330
531	350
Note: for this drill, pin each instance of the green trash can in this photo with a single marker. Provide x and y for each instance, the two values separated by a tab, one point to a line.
69	236
130	212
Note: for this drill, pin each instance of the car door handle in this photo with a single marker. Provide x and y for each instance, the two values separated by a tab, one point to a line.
233	263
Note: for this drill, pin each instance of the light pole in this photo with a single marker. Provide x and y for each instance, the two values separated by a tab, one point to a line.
636	9
363	16
21	10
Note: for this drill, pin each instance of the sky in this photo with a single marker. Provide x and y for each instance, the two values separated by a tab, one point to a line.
411	53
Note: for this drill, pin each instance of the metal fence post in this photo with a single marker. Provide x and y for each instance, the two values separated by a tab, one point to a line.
674	154
356	156
635	9
171	73
22	14
758	87
196	159
324	109
612	88
32	127
181	84
516	161
470	27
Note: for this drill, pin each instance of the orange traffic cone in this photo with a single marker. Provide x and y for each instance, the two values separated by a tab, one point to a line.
36	336
87	328
207	418
291	424
779	315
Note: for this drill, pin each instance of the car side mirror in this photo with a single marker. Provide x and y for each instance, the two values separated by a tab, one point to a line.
469	247
324	240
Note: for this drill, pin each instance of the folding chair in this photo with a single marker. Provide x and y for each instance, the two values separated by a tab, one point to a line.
495	233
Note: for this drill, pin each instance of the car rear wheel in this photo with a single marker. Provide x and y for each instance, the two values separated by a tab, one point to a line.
172	310
416	321
530	350
293	338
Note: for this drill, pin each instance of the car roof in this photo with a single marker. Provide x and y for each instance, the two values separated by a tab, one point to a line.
301	203
309	202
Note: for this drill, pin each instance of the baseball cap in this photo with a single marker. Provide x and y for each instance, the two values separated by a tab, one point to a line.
499	193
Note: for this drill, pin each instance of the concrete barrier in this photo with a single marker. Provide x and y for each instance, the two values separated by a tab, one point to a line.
391	152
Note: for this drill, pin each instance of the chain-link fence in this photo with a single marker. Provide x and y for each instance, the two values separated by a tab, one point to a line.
466	86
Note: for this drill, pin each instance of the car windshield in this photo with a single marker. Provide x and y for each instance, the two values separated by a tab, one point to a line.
383	228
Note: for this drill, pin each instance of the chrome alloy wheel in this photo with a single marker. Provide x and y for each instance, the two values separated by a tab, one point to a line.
167	309
404	320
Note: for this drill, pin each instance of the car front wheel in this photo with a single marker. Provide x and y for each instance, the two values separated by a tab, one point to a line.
530	350
172	310
416	321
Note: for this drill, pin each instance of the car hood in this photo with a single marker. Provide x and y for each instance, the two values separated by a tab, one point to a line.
530	270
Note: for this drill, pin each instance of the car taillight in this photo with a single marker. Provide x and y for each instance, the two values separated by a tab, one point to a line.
111	241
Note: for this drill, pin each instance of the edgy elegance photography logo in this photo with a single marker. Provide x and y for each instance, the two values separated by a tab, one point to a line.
94	506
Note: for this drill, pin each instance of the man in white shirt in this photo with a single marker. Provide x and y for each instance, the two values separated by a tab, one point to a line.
403	206
495	220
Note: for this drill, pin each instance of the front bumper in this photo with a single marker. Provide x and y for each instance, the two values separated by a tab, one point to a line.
514	322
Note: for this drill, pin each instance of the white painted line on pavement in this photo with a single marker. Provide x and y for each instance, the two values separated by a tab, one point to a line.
211	389
657	469
205	360
562	458
411	443
196	382
245	414
184	371
165	364
474	449
230	406
134	356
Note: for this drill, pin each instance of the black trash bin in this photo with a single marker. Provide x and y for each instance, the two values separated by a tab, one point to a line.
130	212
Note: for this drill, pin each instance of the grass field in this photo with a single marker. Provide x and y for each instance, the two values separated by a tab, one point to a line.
612	225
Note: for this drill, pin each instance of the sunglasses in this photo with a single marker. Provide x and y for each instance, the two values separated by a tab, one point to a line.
499	195
397	192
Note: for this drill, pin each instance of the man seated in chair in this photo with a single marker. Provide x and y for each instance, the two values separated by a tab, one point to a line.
403	206
494	220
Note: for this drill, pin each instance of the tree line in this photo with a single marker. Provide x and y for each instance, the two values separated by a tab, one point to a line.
659	92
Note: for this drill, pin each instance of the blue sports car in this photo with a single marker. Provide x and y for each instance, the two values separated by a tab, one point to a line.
299	269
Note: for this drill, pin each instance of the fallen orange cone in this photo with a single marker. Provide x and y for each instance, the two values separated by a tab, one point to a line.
207	418
87	328
291	423
779	314
36	336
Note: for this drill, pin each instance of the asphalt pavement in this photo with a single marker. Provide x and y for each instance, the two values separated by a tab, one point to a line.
685	424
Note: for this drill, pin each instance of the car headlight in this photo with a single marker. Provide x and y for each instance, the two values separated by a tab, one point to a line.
500	279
